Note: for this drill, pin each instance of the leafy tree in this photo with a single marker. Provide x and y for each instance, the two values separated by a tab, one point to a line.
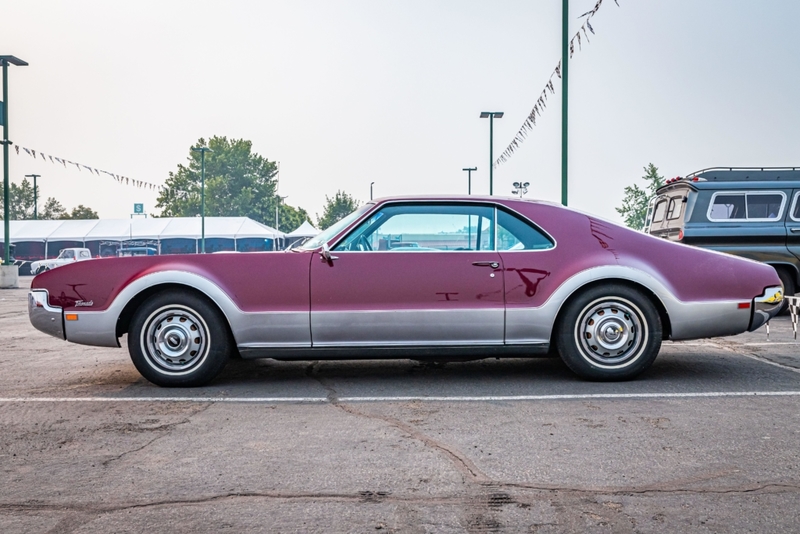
81	212
290	218
238	183
52	210
20	201
634	203
336	208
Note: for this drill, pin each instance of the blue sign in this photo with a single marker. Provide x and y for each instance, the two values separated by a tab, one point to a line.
138	208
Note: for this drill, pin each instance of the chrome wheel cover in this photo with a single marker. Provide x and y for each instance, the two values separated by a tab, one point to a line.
175	340
611	332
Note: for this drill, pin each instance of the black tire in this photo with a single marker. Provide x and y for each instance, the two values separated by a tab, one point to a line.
609	332
179	339
789	288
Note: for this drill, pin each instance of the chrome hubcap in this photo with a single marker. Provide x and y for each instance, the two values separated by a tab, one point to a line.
176	339
610	332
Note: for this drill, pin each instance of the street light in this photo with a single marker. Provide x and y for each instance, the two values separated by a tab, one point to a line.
520	188
370	189
35	197
202	150
491	116
5	61
469	178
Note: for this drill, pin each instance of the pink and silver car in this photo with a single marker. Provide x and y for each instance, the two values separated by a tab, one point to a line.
415	277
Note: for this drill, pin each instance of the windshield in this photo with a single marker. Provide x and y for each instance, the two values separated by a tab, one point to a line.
334	229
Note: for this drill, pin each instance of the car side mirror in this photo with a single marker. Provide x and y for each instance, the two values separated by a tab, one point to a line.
325	254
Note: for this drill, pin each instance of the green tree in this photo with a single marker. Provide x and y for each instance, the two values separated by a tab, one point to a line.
238	183
20	201
634	203
80	212
52	210
336	208
291	218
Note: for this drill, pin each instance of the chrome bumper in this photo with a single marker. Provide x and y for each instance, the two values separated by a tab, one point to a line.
766	307
44	317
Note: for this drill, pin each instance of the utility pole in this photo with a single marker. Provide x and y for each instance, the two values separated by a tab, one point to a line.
202	150
469	178
491	115
35	195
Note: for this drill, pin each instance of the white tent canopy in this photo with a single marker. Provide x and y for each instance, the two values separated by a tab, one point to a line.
131	229
304	230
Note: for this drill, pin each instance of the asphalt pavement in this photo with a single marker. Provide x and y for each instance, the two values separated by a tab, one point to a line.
707	440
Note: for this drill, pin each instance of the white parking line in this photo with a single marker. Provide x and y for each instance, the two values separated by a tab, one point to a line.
487	398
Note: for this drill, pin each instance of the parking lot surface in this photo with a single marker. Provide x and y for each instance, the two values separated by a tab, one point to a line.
707	440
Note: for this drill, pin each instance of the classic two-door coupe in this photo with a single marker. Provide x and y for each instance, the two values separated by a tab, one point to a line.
421	277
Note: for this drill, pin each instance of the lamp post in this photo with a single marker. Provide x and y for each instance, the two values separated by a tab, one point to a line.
202	150
370	189
491	116
469	178
520	188
5	61
564	96
35	195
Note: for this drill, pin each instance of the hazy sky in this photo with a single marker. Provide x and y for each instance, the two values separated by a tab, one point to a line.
347	92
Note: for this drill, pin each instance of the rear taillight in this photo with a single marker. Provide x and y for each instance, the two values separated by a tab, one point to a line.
680	235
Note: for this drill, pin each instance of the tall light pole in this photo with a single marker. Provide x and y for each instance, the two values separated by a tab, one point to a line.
520	188
491	116
5	61
277	207
564	96
469	178
35	195
202	150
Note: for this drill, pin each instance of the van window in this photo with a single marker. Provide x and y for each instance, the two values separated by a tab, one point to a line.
675	208
658	213
750	205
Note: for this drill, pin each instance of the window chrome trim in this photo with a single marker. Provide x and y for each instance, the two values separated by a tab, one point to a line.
346	232
794	205
744	194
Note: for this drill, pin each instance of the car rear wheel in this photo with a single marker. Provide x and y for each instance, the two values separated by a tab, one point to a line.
179	339
610	332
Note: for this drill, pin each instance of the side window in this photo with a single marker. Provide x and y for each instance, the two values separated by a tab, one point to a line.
514	233
764	206
751	205
84	254
796	207
728	206
424	228
660	209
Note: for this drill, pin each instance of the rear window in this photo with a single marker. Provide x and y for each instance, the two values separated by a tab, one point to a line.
748	205
658	212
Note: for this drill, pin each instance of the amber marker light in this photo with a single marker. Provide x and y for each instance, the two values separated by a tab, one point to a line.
71	316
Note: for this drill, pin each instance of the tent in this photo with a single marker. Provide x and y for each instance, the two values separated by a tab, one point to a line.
303	232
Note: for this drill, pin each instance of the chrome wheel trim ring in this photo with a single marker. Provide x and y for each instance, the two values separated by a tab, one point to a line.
611	332
175	340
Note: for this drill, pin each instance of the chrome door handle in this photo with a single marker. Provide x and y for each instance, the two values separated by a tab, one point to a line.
492	264
795	229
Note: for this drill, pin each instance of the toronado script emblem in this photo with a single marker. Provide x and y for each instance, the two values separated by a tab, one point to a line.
84	303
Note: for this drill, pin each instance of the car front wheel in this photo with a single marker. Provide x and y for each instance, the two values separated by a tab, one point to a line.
179	339
610	332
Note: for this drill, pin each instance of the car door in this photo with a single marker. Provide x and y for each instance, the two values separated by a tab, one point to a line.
413	274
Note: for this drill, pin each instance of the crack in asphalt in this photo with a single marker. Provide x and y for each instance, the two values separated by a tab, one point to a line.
371	498
464	465
742	351
169	427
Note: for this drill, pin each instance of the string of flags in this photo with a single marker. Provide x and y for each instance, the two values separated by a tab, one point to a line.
541	102
92	170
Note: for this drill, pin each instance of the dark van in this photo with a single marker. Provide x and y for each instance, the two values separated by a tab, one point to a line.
748	212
